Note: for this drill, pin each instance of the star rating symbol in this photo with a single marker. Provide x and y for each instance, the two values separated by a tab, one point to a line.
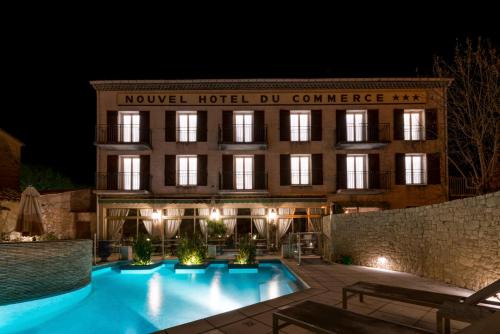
406	98
395	98
415	97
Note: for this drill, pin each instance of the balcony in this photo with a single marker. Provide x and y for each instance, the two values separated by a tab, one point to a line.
242	137
414	133
123	182
363	136
123	137
255	182
363	183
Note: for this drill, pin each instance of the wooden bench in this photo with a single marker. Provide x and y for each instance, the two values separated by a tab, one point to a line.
322	318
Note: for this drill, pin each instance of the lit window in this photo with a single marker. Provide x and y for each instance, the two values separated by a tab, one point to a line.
130	171
187	121
187	170
356	125
244	172
129	127
357	171
300	169
412	123
300	125
243	121
415	168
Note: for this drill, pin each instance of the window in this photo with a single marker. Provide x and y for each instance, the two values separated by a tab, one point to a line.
356	125
300	169
243	121
415	169
187	123
244	172
300	121
357	171
130	172
413	125
187	170
129	126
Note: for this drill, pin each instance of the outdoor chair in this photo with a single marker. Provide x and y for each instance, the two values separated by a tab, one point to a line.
322	318
469	309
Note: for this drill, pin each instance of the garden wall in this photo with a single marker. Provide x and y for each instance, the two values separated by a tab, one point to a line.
30	270
456	242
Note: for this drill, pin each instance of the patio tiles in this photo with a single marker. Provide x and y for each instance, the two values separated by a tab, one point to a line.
198	326
326	282
225	318
247	326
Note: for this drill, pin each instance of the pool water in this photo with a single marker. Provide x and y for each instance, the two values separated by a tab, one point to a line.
144	303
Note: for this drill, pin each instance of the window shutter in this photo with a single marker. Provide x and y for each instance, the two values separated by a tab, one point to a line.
398	125
202	170
170	126
373	135
285	169
341	126
259	128
284	125
316	125
201	130
144	126
400	168
112	175
112	126
431	125
144	177
433	168
227	126
259	161
341	171
373	171
317	169
227	171
170	170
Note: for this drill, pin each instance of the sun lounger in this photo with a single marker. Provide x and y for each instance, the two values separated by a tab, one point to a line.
321	318
469	309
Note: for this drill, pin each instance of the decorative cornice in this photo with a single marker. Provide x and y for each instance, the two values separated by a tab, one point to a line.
269	84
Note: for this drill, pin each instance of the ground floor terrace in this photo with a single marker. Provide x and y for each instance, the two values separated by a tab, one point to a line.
326	282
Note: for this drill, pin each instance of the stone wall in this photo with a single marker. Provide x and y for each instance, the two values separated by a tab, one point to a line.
456	242
30	270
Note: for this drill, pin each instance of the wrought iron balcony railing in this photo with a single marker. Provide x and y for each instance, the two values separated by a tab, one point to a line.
242	134
363	133
242	181
123	181
364	180
123	134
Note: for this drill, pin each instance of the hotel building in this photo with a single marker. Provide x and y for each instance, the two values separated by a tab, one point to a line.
249	150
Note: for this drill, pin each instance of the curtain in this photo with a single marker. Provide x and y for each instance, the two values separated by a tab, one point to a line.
260	223
203	222
284	223
172	225
229	223
316	223
148	224
115	225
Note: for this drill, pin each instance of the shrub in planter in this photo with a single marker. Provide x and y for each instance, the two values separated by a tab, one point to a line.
216	229
142	251
247	251
191	251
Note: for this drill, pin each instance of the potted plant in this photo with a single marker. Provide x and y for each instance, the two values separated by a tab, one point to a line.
245	261
192	254
143	263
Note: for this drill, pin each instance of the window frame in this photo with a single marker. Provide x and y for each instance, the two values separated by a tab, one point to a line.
363	126
420	131
364	176
189	177
135	129
134	183
300	173
190	129
246	129
412	173
245	173
300	126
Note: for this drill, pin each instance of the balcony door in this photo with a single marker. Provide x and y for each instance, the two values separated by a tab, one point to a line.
244	172
129	129
357	171
356	125
243	121
130	171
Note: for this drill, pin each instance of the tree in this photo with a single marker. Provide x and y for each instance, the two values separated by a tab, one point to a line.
473	111
44	178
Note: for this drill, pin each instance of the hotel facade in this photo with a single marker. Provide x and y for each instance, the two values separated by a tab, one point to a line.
266	152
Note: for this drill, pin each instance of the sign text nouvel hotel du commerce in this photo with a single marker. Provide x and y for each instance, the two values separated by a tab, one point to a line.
364	97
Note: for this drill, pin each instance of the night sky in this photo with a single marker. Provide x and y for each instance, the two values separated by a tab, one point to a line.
50	106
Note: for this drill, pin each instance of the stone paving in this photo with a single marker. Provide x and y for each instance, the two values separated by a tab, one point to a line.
326	282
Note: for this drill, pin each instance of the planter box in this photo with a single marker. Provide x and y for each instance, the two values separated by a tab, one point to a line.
148	269
190	268
235	268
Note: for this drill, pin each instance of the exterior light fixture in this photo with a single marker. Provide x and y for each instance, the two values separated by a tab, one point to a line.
215	214
156	215
382	261
271	215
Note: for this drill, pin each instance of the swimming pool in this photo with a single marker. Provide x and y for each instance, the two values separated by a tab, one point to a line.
144	303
